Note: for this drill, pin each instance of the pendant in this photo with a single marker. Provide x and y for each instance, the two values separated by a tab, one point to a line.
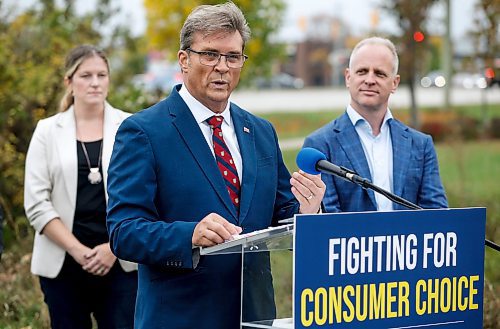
95	176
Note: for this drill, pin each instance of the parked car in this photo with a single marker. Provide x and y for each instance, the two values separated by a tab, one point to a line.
161	79
460	79
492	75
468	80
433	79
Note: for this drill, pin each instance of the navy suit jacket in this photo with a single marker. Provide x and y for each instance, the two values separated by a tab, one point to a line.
415	167
163	179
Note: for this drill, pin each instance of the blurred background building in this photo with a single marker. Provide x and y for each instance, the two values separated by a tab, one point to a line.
317	36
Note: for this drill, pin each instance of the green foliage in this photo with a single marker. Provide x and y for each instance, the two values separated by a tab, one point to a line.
21	301
486	31
165	20
34	44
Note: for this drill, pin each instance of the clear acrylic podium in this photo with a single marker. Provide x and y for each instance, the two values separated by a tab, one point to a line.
266	276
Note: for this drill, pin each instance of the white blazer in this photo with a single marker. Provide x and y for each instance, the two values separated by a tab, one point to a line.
51	178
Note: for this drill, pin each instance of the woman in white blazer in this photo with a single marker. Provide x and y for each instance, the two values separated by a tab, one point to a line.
65	201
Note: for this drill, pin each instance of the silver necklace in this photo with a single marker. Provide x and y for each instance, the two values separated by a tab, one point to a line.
94	176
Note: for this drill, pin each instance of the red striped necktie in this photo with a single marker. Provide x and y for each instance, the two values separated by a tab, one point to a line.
225	161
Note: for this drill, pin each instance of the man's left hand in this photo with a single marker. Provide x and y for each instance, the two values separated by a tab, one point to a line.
309	190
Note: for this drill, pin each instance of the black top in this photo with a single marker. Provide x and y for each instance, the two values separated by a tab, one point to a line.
89	224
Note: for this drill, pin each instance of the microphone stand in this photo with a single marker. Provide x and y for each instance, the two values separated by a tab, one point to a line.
366	184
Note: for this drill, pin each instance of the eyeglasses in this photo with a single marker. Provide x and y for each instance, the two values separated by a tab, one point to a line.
212	58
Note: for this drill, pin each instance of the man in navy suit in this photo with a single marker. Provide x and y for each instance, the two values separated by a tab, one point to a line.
168	196
368	140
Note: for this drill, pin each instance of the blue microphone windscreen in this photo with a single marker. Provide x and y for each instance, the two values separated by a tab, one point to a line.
307	159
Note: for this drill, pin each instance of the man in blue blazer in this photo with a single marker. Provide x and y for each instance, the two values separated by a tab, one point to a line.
368	140
168	195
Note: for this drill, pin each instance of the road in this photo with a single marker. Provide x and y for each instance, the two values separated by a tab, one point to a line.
323	99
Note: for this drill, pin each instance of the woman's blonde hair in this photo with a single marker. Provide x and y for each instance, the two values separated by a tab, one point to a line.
73	60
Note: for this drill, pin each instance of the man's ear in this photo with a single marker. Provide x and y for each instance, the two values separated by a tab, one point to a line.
347	76
395	83
183	59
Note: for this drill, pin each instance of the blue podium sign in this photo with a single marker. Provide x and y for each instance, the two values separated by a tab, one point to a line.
400	269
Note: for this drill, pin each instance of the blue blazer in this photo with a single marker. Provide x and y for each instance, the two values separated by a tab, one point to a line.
415	167
162	180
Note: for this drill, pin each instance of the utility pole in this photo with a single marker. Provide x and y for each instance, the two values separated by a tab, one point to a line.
447	55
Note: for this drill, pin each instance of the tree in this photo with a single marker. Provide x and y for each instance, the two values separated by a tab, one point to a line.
486	36
486	30
34	43
411	17
165	19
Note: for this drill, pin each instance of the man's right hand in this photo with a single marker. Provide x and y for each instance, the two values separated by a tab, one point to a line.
213	229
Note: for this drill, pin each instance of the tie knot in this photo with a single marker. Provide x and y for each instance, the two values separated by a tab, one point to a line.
215	121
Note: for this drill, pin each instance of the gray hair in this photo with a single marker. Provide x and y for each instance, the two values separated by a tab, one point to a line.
210	19
378	41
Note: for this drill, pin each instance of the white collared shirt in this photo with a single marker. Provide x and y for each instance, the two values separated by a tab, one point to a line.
201	113
378	153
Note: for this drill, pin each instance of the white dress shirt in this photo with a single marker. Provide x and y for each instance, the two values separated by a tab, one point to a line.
378	153
201	113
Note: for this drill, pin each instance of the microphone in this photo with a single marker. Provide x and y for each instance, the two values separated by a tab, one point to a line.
314	162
